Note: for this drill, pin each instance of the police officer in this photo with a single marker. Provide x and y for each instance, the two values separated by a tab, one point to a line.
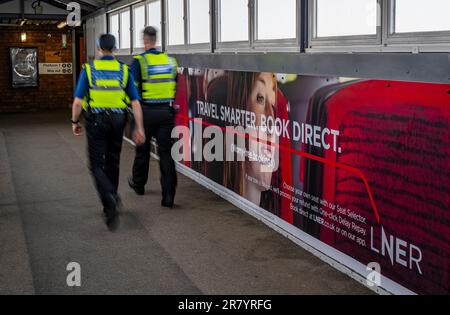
155	75
103	91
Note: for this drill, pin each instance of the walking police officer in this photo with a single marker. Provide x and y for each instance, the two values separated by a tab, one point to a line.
155	74
103	92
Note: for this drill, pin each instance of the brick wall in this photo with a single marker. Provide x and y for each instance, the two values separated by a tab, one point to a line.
54	91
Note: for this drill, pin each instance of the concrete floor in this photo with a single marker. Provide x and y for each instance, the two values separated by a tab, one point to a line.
50	216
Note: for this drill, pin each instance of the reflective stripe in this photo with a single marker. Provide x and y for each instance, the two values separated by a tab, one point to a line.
98	110
159	80
107	88
158	101
102	75
159	69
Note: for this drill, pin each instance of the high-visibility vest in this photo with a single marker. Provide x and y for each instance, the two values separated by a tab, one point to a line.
158	82
107	82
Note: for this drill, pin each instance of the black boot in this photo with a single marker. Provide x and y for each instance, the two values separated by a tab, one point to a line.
111	213
168	200
138	190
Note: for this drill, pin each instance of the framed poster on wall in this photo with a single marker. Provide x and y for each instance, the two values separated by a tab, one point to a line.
24	67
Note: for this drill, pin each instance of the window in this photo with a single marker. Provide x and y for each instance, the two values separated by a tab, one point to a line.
356	25
138	26
154	18
276	19
175	22
114	28
125	29
422	16
345	18
233	20
199	21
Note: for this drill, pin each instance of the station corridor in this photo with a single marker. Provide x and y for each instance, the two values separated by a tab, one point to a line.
50	216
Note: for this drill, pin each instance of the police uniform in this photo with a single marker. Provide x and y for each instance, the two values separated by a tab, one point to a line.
106	88
155	73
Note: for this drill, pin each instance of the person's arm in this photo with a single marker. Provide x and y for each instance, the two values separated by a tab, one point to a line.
80	92
139	132
76	112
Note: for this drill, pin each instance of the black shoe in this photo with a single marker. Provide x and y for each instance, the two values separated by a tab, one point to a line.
119	204
111	213
112	219
167	201
138	190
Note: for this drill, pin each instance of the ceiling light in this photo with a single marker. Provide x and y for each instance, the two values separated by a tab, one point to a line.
61	24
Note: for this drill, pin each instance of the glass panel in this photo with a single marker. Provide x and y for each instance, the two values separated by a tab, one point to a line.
233	20
346	17
422	16
125	30
154	18
139	25
276	19
199	29
175	14
114	28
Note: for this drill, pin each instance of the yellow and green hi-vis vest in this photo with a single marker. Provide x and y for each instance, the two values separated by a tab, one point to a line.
107	82
159	72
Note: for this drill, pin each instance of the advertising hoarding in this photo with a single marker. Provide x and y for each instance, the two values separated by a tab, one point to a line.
361	165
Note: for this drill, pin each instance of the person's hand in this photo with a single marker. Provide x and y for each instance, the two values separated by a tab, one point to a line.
139	136
77	130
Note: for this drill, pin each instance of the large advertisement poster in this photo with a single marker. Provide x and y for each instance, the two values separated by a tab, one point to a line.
360	165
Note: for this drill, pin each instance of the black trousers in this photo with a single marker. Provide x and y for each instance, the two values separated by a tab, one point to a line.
158	122
104	137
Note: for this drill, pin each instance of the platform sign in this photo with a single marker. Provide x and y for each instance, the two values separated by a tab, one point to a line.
55	68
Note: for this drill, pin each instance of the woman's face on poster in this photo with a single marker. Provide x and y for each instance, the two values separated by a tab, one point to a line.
262	102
